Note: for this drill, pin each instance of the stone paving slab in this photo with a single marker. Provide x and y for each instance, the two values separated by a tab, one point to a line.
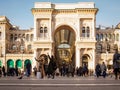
58	78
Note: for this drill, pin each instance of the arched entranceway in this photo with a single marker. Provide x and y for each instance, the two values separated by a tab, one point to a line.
64	44
19	63
10	63
26	62
85	59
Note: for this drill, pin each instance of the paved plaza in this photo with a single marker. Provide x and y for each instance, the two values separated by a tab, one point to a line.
59	83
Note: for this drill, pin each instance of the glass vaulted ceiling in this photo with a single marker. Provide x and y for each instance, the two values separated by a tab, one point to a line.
65	37
64	42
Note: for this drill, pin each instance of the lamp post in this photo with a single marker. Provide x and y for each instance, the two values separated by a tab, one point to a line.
106	57
20	48
107	49
22	51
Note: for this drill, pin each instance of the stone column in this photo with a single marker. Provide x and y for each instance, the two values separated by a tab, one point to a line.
93	35
34	63
35	29
77	57
93	59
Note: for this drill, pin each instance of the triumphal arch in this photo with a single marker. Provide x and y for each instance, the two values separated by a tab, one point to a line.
65	30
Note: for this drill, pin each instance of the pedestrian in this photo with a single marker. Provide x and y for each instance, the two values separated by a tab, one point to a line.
3	70
71	69
52	66
28	67
35	70
103	69
116	64
16	71
85	70
98	70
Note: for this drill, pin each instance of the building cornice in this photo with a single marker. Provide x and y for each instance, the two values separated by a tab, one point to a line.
56	11
43	10
87	10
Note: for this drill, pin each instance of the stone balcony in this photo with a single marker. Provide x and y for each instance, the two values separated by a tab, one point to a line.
42	39
87	39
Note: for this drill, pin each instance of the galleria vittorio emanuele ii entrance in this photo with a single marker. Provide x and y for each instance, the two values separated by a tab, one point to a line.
67	33
64	39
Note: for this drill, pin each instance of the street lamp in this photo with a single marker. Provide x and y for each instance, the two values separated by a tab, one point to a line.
20	48
106	57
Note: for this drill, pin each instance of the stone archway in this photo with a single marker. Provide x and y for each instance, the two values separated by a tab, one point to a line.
85	59
64	44
26	62
19	63
10	63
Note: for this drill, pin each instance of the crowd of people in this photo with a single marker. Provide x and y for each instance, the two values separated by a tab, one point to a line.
51	69
100	70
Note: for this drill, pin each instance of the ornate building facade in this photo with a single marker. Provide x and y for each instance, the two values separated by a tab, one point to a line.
108	40
66	32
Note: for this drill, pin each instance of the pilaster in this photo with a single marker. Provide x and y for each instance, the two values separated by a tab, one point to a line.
77	57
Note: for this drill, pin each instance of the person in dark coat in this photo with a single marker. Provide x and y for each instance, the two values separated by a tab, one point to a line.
3	70
116	64
85	70
51	67
98	70
28	67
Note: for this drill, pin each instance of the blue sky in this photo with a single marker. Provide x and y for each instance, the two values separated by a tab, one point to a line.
19	11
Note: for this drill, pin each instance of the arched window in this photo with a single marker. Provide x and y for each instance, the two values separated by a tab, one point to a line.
15	37
88	32
22	47
14	47
108	47
41	32
45	31
97	37
101	37
29	47
99	48
23	35
31	37
27	37
104	36
115	47
41	29
83	31
11	37
109	36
